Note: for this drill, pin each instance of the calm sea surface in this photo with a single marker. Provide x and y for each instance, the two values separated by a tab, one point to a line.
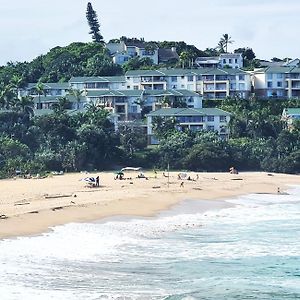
249	251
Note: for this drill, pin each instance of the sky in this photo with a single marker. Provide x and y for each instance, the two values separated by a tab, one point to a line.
271	28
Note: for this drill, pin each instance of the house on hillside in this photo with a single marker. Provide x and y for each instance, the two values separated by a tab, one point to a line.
166	55
289	115
123	51
229	60
285	63
209	119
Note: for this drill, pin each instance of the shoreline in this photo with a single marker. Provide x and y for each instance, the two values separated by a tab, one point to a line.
33	206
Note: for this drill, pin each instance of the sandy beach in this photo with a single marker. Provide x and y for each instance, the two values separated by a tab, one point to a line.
31	206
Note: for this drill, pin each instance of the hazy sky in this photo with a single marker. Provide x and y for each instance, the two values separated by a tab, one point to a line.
29	28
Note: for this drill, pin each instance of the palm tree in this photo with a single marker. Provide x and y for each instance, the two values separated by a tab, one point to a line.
16	82
220	47
225	41
184	56
7	96
39	88
61	106
77	94
25	104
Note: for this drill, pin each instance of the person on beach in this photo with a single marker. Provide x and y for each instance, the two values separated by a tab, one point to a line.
182	184
97	181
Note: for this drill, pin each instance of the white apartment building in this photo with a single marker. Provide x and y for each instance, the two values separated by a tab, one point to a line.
49	89
129	104
206	119
277	82
211	83
98	83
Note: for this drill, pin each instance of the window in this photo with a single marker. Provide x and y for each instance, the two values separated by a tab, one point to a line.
190	78
279	84
279	76
128	87
269	84
241	77
210	118
135	87
211	128
134	109
235	60
230	60
269	76
174	78
241	86
222	119
224	61
199	77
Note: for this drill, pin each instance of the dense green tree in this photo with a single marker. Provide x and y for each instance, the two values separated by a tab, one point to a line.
132	139
92	19
247	53
61	106
25	105
136	63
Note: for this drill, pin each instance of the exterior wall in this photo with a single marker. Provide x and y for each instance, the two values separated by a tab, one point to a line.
271	85
231	60
210	86
142	53
121	58
210	123
115	47
101	85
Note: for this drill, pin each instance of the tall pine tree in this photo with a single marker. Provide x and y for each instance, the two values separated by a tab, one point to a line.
92	18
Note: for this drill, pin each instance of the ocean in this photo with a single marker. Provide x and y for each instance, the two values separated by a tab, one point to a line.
248	250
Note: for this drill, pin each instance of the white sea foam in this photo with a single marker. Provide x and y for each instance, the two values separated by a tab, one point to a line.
67	262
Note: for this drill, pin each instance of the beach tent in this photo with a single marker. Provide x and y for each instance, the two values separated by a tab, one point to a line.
90	180
183	175
131	169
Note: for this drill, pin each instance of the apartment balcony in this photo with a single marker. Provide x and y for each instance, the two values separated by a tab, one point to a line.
208	81
296	94
293	76
213	88
153	85
152	79
212	96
